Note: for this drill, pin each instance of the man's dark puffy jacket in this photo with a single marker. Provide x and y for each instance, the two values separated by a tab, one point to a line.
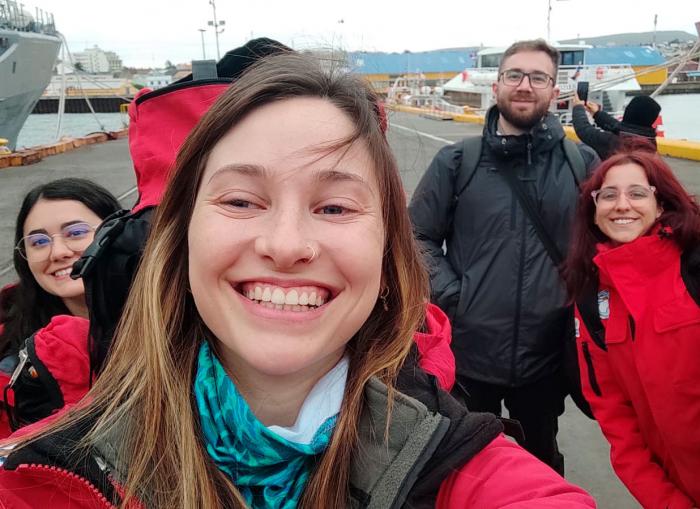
496	282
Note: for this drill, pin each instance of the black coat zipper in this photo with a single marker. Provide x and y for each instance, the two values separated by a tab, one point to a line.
519	289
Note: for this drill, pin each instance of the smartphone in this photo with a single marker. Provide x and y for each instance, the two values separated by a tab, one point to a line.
582	90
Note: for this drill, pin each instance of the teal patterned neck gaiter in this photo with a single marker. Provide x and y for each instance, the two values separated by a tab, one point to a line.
269	471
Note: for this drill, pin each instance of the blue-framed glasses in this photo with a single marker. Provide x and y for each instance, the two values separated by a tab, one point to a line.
37	246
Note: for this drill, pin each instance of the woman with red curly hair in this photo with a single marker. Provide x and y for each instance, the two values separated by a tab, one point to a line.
635	264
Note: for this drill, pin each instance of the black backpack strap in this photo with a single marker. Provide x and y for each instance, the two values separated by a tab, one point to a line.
36	392
575	161
690	272
587	305
531	211
471	154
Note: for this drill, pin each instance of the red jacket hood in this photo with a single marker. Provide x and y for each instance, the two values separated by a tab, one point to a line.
158	126
436	356
63	348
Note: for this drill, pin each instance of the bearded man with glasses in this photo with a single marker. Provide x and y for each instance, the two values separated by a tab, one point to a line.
498	279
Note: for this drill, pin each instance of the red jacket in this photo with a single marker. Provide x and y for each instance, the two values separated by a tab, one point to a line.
502	475
645	389
63	349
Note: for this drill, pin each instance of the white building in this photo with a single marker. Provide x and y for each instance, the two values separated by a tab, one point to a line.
96	61
115	63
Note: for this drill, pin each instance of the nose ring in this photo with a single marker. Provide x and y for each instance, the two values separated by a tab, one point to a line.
313	254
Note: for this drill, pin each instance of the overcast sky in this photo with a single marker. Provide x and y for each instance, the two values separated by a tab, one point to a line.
148	32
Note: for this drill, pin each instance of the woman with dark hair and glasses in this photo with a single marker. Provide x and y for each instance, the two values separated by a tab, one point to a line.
55	224
634	272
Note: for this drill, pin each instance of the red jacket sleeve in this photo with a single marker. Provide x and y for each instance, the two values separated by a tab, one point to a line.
630	457
505	476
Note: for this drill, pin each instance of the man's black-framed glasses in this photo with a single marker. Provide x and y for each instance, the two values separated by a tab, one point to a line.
514	77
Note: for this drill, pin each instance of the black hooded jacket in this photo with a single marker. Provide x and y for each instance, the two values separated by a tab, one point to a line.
606	137
496	281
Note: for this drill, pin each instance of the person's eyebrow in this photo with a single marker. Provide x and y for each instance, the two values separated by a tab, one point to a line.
249	170
339	176
71	223
63	225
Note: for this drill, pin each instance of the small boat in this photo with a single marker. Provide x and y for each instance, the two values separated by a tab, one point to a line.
611	76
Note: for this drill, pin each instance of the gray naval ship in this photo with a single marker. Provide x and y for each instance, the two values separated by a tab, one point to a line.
29	45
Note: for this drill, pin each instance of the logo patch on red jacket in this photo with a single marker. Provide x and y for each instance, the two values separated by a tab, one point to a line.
604	304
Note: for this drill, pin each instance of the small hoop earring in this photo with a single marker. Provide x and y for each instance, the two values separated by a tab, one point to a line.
383	296
313	254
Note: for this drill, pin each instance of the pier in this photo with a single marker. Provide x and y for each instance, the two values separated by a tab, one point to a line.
74	104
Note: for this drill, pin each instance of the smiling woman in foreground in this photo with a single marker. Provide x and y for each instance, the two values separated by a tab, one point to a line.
634	272
266	358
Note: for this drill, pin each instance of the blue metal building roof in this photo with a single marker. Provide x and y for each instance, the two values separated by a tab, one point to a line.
456	60
402	63
632	55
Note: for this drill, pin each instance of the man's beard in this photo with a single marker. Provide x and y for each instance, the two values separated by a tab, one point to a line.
521	119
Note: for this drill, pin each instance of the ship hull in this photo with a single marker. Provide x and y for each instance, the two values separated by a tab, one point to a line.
26	62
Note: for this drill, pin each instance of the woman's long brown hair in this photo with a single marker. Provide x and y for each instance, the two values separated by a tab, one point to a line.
145	390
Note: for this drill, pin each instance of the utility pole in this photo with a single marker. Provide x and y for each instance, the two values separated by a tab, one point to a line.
201	32
653	38
216	24
549	18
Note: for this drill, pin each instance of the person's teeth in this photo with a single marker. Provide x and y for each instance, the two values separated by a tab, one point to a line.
258	293
292	298
277	296
319	301
303	299
62	272
266	295
312	299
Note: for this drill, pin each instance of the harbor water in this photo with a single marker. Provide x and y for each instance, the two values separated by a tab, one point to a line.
681	116
41	129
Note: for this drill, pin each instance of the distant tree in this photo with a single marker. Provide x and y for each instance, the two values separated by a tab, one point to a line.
79	67
170	68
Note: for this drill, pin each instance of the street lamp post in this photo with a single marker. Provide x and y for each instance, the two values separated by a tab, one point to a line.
201	32
216	24
549	18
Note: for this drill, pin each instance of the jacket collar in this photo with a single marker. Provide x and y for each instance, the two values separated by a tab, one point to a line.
547	133
639	260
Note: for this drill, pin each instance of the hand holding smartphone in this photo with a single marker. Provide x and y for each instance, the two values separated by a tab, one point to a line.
582	91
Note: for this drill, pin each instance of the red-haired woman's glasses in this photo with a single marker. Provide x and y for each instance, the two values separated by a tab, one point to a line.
37	246
610	195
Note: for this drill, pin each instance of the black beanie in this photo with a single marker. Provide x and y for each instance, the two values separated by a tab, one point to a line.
641	111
